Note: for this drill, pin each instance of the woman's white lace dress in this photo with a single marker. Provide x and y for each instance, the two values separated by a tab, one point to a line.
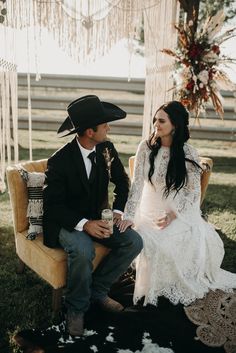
182	261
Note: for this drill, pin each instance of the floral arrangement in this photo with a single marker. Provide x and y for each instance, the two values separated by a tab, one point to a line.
199	75
108	160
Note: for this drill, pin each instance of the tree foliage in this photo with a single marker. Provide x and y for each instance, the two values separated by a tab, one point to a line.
203	9
211	7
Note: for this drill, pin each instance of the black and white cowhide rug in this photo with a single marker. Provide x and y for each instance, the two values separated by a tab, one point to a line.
149	329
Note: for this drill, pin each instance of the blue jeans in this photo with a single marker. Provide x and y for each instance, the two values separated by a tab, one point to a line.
83	284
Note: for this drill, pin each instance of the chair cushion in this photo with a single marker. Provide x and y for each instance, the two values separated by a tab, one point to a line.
50	264
34	182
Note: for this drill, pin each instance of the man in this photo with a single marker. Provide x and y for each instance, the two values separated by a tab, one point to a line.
75	193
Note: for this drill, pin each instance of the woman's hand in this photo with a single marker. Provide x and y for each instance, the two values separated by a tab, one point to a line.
124	224
164	221
116	217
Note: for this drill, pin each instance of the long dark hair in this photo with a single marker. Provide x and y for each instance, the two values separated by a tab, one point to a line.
176	175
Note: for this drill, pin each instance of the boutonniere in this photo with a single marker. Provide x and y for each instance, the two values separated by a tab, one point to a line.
108	160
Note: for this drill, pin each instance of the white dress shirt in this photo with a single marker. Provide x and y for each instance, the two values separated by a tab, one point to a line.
88	166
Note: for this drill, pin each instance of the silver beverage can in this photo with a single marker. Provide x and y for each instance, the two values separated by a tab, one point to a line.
107	215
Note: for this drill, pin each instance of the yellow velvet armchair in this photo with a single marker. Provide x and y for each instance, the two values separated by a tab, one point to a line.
49	264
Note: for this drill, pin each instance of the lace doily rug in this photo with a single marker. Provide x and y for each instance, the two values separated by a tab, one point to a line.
215	316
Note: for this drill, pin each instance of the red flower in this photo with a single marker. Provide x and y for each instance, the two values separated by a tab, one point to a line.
210	73
195	50
186	62
216	49
190	85
204	94
185	101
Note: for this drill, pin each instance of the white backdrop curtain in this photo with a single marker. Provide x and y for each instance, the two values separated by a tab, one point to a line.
159	33
8	104
84	29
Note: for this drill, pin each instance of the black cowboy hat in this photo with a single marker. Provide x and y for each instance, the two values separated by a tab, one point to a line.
88	111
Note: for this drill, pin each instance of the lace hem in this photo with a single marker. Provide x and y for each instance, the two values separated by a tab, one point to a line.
176	296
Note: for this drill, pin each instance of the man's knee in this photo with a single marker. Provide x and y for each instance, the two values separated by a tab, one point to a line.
78	245
138	242
84	253
135	240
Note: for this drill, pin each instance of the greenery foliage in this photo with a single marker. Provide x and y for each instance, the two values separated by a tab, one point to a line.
206	8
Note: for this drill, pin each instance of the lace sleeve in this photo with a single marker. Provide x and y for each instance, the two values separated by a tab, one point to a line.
186	203
137	183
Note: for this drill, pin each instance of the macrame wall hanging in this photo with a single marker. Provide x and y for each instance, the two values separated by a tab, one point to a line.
8	118
87	30
8	100
84	29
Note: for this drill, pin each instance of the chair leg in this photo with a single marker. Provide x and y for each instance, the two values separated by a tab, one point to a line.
56	299
20	267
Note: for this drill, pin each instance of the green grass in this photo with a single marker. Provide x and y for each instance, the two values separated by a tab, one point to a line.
25	300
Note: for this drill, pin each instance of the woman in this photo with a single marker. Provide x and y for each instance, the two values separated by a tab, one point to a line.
182	253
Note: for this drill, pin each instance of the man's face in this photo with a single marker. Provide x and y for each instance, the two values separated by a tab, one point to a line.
101	134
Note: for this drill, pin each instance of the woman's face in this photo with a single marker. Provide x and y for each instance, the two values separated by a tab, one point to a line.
163	126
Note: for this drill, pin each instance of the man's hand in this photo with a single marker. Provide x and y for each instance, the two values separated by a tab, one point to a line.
116	217
97	228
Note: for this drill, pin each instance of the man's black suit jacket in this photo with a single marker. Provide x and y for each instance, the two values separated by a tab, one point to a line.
66	194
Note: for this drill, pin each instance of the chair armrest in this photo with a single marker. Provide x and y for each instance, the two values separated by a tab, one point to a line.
207	165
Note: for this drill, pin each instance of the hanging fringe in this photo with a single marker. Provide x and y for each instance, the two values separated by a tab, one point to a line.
159	30
85	31
8	114
8	101
14	113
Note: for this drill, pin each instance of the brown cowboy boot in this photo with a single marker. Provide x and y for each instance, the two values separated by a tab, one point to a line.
75	323
110	305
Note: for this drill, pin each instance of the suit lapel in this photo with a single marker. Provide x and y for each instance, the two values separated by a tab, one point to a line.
100	166
101	173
